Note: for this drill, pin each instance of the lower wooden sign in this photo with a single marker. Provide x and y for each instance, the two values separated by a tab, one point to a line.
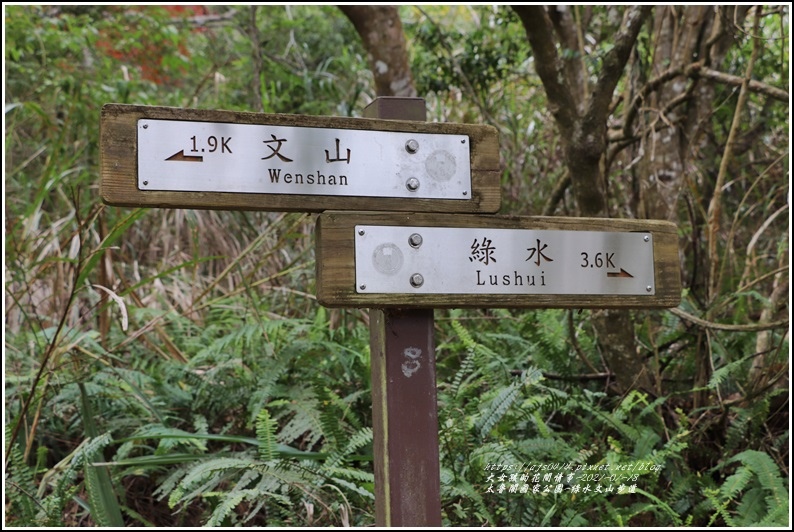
441	261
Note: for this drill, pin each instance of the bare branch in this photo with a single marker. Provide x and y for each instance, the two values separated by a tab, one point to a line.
540	34
613	65
649	87
570	34
697	70
782	324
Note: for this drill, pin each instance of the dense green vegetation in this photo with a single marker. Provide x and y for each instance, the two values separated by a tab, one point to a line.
172	368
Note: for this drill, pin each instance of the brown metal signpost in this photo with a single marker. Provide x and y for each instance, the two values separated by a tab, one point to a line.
404	407
401	261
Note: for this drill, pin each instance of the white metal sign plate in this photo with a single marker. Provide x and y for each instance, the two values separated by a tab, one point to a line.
262	159
454	260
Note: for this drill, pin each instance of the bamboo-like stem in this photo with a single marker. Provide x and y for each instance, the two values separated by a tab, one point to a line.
715	206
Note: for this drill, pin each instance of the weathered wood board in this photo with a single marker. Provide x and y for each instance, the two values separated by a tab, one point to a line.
409	260
211	159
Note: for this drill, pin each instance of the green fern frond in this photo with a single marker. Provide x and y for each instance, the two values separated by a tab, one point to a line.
492	452
540	447
645	443
359	439
498	408
663	506
572	518
735	483
778	516
767	472
747	424
228	503
720	508
551	400
305	423
629	402
266	428
170	483
355	488
362	438
269	482
463	489
206	476
529	517
332	412
752	508
679	493
463	334
651	409
722	374
350	474
266	388
481	354
105	508
201	471
200	424
531	376
22	503
628	432
465	370
246	479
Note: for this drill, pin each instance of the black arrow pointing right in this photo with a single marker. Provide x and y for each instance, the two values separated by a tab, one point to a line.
621	273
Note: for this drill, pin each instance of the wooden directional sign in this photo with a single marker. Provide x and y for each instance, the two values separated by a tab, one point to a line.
170	157
437	261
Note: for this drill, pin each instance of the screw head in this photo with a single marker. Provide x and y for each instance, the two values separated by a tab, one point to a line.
361	232
648	288
415	240
145	126
417	280
412	184
412	146
145	183
362	286
647	238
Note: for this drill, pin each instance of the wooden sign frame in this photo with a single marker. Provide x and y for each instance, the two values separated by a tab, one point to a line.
119	164
336	262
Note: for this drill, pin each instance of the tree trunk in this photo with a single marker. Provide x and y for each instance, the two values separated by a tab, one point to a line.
676	115
678	32
581	114
381	32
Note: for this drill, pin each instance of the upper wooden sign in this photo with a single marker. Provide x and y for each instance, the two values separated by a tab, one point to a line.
188	158
438	261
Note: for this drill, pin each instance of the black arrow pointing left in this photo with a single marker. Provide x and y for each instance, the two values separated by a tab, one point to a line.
180	156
